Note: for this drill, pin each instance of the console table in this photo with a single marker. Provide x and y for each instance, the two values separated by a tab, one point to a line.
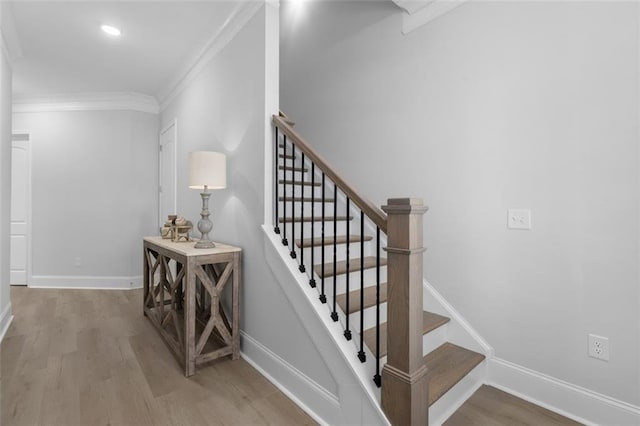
183	299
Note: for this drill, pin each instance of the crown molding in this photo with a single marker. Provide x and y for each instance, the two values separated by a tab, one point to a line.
420	12
241	16
114	101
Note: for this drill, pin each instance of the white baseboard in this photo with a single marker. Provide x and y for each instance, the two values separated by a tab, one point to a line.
315	400
6	318
575	402
86	283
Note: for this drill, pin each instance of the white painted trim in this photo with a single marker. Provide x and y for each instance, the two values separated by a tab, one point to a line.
292	382
182	79
580	404
431	294
173	123
6	318
359	397
412	6
428	13
86	283
106	101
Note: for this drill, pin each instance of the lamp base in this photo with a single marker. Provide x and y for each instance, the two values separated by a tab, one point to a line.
204	244
204	224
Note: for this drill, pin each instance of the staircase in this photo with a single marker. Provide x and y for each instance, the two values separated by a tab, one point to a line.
337	238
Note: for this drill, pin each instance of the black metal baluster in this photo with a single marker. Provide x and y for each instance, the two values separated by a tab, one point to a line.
377	379
293	203
276	161
312	281
284	192
361	354
301	268
323	297
347	332
334	314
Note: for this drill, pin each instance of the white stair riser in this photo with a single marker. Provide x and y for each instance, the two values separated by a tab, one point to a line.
443	408
341	229
369	317
354	280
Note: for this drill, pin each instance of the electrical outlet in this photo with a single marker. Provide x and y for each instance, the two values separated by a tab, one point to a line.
519	219
77	262
599	347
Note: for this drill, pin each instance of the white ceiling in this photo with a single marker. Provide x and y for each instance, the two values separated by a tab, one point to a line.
65	52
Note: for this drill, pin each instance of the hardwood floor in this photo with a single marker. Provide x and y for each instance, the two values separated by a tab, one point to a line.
492	407
89	357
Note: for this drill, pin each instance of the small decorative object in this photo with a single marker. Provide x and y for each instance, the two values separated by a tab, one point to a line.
176	228
207	170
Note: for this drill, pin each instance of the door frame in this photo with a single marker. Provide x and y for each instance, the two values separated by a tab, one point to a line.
173	123
21	134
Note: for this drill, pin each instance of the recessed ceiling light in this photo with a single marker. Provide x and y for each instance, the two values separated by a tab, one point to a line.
112	31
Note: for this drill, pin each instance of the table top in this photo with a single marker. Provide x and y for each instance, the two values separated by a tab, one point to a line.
187	248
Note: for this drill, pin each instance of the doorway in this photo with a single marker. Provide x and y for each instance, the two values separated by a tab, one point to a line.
168	172
20	246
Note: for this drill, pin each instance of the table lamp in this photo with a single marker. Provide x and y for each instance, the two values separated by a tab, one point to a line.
207	170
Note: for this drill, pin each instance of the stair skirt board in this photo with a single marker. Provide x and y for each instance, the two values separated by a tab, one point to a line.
360	401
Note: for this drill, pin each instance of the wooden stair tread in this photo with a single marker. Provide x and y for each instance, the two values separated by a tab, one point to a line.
341	239
369	299
315	219
430	322
299	182
369	262
307	199
447	365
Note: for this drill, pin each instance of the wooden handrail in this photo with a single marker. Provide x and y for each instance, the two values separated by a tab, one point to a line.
374	213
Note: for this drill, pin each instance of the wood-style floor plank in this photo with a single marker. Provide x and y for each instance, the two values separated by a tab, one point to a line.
489	406
89	357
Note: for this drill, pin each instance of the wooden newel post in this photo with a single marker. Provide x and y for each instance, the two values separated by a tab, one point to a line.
404	376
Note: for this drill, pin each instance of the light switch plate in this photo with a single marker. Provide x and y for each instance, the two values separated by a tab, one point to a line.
519	219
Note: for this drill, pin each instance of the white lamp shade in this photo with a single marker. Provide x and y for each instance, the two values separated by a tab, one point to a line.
207	168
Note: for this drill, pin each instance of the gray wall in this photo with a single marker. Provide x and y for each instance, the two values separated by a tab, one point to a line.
94	186
5	175
493	106
223	110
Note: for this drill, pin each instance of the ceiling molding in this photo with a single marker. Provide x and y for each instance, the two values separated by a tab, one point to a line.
116	101
10	41
420	12
412	6
188	73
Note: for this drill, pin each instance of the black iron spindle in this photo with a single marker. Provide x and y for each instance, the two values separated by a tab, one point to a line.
334	314
301	268
377	379
312	281
361	354
293	204
323	297
347	332
276	161
284	192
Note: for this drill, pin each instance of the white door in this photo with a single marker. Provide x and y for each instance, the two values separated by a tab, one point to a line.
20	206
167	168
